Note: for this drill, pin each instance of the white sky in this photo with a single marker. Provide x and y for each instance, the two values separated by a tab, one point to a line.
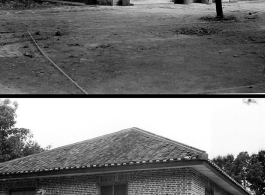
218	126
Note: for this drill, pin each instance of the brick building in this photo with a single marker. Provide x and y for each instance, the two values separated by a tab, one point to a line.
127	162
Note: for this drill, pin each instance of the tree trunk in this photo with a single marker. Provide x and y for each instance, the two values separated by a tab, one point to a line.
219	9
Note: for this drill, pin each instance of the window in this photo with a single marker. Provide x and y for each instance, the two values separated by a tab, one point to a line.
113	190
22	192
209	191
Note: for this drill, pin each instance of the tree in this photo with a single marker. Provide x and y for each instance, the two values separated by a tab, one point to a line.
247	170
241	167
14	142
226	163
256	173
236	168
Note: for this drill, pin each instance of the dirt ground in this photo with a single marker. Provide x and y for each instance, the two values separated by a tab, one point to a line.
141	49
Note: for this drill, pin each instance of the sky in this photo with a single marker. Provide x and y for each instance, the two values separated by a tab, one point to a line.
216	125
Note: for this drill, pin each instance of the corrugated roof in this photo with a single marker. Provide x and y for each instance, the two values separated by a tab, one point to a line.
125	146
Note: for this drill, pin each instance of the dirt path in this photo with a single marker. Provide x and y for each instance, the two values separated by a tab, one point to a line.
155	48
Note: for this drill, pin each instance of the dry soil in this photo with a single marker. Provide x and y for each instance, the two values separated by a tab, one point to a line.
141	49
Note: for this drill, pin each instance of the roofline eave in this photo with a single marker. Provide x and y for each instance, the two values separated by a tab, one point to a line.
201	165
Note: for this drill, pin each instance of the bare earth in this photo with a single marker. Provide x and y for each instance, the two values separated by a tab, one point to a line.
151	48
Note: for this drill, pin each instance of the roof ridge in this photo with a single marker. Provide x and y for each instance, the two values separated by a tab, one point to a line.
107	135
167	139
60	147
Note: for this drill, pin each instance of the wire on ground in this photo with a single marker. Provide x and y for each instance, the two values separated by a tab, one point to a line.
72	81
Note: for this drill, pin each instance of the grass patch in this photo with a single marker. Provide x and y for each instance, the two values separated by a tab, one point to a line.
199	31
230	18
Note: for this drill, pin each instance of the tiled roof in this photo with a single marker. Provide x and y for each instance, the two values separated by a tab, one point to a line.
126	146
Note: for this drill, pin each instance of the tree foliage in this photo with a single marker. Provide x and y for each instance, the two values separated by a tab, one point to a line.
247	170
256	172
14	142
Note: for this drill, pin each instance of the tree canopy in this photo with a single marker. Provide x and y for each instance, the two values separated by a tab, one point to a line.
14	142
247	170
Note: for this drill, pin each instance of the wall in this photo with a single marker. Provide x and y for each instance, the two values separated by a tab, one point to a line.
81	185
200	182
184	181
162	182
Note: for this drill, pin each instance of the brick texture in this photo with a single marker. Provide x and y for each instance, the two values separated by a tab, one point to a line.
200	182
180	181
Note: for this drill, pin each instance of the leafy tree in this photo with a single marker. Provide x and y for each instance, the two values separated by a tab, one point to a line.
241	167
256	173
247	170
14	142
226	163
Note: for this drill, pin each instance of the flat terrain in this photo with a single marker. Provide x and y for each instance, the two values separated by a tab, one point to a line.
141	49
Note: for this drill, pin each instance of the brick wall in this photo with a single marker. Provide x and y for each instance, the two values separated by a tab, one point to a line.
182	181
200	182
162	182
3	191
83	185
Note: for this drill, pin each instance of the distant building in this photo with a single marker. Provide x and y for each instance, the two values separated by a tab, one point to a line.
127	162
